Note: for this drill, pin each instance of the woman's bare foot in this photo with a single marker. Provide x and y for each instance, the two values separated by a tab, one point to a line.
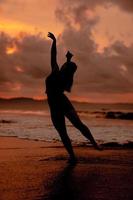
98	147
72	161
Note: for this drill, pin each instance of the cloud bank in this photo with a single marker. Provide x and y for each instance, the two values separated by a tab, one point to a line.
107	72
24	64
25	59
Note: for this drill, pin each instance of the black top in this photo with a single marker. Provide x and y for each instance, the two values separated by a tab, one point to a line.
53	84
56	82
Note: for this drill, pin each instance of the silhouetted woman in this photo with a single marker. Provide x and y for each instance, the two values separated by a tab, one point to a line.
57	82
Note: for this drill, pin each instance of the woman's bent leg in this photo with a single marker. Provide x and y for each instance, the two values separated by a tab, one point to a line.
58	120
75	120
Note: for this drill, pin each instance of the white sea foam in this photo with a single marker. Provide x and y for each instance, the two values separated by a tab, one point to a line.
37	125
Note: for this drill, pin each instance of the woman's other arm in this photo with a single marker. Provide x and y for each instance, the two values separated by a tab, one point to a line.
54	64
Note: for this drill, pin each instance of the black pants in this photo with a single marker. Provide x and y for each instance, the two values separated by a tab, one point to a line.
60	108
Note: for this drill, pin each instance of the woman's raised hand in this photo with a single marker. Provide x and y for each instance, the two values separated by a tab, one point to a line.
51	35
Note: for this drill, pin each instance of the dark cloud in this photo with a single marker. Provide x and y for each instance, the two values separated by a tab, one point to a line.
78	5
24	69
126	5
22	73
107	72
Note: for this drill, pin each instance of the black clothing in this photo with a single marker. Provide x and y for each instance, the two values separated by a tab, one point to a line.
57	100
53	84
60	80
60	106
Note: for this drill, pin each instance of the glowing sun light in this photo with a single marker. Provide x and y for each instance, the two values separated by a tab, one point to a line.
11	50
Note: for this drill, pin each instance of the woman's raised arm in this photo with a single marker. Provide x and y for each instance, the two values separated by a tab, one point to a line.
54	64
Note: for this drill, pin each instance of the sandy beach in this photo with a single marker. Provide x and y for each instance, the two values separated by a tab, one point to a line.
38	170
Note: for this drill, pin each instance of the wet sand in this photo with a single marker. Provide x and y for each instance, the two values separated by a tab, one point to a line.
31	170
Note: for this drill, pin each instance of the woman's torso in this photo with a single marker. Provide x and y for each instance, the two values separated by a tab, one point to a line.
56	98
53	84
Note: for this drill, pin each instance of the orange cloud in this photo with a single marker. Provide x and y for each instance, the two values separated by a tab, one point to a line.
84	31
19	69
11	50
14	28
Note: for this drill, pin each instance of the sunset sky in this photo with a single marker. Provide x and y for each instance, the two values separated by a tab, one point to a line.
98	32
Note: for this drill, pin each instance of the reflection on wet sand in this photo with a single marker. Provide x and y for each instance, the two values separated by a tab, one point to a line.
62	186
91	180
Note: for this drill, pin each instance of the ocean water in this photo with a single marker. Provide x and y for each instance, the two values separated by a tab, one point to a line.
35	123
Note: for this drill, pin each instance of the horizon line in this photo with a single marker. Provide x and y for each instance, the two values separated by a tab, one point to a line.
78	101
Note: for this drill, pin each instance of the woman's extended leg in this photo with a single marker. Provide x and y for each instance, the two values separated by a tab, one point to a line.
58	120
75	120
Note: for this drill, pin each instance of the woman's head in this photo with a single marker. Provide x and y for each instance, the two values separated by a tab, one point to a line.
69	55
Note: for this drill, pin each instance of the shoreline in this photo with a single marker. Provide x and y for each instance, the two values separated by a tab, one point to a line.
35	170
105	145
